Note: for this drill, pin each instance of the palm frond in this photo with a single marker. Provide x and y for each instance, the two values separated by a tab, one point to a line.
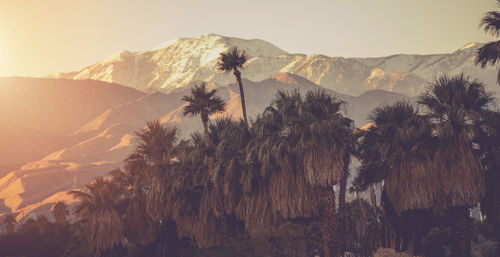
231	59
491	23
203	101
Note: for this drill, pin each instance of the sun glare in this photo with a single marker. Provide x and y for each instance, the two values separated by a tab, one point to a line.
2	56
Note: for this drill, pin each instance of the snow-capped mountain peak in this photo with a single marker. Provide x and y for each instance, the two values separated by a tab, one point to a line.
179	62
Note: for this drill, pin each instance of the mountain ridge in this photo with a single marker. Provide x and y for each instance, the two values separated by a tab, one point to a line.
180	62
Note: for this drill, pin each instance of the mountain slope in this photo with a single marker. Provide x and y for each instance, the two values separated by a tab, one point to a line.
37	115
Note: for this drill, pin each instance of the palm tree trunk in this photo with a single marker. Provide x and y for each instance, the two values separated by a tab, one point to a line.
328	221
342	200
205	130
220	212
461	229
373	198
411	241
237	74
172	235
363	217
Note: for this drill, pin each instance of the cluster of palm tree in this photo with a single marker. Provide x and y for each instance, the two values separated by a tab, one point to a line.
436	157
233	177
432	158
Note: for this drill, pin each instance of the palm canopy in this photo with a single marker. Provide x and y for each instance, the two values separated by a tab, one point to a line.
489	54
156	145
398	149
428	161
456	102
99	209
298	145
456	107
231	59
155	155
230	139
373	153
491	22
202	101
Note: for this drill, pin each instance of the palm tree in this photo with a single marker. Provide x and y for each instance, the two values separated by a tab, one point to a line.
372	151
489	140
489	54
135	181
156	152
204	103
234	60
357	188
458	106
9	221
155	161
397	150
60	212
299	152
230	139
99	210
428	162
193	195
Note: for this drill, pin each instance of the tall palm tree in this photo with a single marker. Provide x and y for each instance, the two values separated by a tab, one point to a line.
458	106
489	54
203	102
234	60
9	221
99	210
60	212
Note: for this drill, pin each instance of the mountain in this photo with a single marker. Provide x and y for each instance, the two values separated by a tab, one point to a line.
103	133
37	116
179	62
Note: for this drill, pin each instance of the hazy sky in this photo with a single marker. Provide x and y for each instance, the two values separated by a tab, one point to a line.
40	37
